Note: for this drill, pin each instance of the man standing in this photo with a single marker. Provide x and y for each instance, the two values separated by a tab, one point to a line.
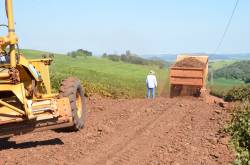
151	83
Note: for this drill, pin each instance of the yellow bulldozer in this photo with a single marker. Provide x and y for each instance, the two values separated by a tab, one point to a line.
27	103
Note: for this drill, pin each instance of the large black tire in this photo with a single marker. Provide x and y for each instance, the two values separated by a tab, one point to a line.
71	88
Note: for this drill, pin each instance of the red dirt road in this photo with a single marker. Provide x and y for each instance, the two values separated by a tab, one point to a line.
130	132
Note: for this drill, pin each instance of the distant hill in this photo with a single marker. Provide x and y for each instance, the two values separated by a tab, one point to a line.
34	54
29	53
166	57
238	70
212	57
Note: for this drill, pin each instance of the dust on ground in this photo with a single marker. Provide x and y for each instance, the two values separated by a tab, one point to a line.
190	62
131	132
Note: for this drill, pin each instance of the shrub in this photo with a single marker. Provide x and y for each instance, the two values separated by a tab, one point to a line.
240	132
79	53
135	59
114	57
238	94
218	92
238	70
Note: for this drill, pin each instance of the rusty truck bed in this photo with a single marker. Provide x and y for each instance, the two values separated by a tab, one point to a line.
187	76
192	77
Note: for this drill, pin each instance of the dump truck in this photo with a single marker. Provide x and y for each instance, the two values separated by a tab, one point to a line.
188	75
27	102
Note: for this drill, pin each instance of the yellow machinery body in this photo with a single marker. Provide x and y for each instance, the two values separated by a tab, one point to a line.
26	101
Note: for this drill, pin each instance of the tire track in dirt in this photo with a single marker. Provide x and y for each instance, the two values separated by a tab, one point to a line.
132	135
135	125
195	140
140	143
137	132
137	149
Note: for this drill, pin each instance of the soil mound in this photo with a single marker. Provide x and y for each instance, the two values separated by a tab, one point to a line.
190	62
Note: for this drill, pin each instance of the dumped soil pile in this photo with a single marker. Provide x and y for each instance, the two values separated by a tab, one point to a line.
190	62
135	132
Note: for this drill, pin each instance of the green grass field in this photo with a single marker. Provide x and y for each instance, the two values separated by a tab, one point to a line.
220	64
119	79
32	53
221	86
105	77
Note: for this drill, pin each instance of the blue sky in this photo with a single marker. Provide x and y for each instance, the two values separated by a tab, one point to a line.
142	26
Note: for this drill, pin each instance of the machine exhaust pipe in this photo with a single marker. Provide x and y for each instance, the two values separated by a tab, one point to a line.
6	9
11	29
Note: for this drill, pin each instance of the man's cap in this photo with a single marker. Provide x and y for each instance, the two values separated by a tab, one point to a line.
151	72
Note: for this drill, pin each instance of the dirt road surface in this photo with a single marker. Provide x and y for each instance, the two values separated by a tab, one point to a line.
179	131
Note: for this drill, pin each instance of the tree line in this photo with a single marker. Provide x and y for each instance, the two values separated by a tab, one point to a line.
131	58
80	53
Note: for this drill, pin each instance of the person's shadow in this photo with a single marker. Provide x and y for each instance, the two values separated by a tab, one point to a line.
4	145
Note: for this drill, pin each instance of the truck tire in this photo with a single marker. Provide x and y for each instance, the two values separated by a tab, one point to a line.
4	139
171	91
71	88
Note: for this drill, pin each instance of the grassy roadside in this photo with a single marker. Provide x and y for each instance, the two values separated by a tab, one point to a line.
239	127
108	78
240	133
103	76
221	86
